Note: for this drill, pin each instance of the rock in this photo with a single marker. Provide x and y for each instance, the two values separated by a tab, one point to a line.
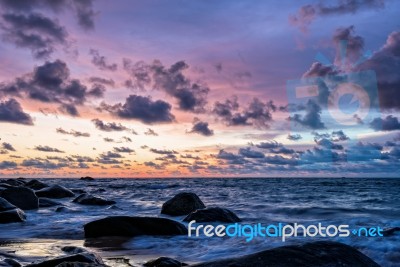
87	199
85	257
315	254
63	209
182	204
5	205
73	249
78	191
9	213
10	263
13	182
133	226
80	264
46	202
391	231
22	197
164	262
87	178
36	184
55	191
212	215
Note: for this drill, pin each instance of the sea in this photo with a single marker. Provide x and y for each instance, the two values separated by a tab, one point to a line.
357	202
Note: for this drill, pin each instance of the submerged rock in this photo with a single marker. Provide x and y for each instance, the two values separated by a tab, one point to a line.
212	215
315	254
9	213
87	199
45	203
55	191
133	226
164	262
22	197
182	204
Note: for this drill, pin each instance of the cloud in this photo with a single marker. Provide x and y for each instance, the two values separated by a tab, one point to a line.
339	136
85	13
72	132
163	152
150	132
33	31
51	83
269	144
109	127
354	45
312	118
257	113
248	153
11	111
101	61
308	13
8	146
143	109
328	144
109	158
104	81
7	165
48	149
123	150
389	123
42	164
294	137
201	128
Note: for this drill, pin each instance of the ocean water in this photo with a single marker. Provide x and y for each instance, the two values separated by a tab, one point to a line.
355	202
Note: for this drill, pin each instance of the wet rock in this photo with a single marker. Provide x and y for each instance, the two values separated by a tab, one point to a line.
182	204
13	182
79	258
80	264
63	209
73	250
36	184
55	191
78	191
10	263
212	215
22	197
315	254
46	203
9	213
133	226
87	178
391	231
87	199
164	262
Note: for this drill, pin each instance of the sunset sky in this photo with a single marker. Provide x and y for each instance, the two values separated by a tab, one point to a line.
199	88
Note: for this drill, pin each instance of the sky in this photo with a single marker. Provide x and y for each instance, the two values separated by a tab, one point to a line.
199	88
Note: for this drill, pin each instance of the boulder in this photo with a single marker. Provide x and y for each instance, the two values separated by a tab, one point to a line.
36	184
87	199
55	191
10	263
391	231
315	254
13	182
164	262
85	257
133	226
182	204
46	203
22	197
87	178
212	215
9	213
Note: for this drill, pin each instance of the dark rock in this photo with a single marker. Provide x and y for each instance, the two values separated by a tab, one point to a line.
85	257
10	215
55	191
5	205
63	209
87	178
212	215
45	203
10	263
36	184
80	264
182	204
22	197
391	231
78	191
133	226
73	250
164	262
13	182
315	254
87	199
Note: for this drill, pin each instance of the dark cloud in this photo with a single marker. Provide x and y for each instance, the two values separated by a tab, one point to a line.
123	150
51	83
389	123
11	111
248	153
354	45
104	81
101	61
7	165
257	113
319	70
72	132
163	151
108	140
139	72
109	158
48	149
222	154
150	132
283	150
308	13
269	144
110	126
43	164
85	13
312	118
8	146
339	136
294	137
143	109
201	128
34	31
324	142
